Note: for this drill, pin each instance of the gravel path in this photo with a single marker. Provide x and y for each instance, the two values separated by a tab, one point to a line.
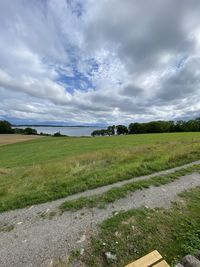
36	241
31	213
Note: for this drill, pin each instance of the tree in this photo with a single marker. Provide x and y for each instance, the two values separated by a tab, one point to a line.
158	127
58	134
171	126
5	127
179	126
133	128
96	133
122	129
111	130
18	131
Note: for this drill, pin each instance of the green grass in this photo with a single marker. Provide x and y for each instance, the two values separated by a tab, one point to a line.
113	194
51	149
131	235
50	168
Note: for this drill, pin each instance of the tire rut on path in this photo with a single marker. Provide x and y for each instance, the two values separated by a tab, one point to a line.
35	241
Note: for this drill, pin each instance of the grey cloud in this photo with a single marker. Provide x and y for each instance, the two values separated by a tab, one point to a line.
123	103
185	82
132	91
135	44
38	88
141	31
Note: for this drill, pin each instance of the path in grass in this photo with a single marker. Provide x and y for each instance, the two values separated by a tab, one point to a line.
36	240
31	212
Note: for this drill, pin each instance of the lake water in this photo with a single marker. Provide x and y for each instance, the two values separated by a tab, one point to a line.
71	131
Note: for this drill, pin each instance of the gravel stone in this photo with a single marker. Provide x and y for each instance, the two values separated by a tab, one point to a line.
190	261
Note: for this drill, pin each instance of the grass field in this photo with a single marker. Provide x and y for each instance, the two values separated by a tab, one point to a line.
130	235
49	168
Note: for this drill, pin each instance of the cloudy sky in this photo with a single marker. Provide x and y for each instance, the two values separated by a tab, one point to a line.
99	62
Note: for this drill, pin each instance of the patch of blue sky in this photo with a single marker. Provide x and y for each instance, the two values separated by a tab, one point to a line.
181	62
76	77
93	66
75	59
76	6
77	73
76	82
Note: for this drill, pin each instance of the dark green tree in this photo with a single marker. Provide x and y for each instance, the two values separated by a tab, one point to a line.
133	128
111	129
5	127
122	129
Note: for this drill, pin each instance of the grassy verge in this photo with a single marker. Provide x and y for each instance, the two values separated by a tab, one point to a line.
112	195
130	235
50	168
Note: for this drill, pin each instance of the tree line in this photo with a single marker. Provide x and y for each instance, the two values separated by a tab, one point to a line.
151	127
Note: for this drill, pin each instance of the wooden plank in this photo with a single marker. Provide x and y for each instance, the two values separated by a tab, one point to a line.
161	264
147	260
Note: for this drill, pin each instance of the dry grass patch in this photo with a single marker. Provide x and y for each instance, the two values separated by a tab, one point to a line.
6	139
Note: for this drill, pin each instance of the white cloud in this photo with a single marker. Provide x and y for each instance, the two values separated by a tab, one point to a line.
107	61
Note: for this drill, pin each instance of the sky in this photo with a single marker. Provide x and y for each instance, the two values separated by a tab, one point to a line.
88	62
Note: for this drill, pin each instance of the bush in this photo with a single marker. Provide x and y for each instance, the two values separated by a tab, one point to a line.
18	131
30	131
27	131
58	134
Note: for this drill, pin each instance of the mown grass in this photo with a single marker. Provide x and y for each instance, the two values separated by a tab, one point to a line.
130	235
50	168
116	193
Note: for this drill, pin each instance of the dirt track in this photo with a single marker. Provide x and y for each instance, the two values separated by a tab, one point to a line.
36	241
6	139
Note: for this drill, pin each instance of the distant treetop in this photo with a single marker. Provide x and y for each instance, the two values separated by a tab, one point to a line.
151	127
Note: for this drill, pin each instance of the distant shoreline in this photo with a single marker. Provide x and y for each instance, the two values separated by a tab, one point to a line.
75	130
35	125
